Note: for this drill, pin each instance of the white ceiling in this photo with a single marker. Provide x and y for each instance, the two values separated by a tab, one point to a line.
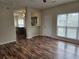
32	3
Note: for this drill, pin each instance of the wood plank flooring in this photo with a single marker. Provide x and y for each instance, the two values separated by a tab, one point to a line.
39	48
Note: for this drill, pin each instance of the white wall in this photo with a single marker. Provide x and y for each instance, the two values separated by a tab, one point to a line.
52	12
7	30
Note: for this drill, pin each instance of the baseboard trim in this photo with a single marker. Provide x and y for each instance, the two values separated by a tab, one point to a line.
63	39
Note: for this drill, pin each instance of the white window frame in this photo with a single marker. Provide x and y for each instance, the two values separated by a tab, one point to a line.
66	27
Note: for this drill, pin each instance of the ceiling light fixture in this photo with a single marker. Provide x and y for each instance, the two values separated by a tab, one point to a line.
50	1
44	1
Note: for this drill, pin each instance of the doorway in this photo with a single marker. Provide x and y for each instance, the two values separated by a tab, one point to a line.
47	25
19	20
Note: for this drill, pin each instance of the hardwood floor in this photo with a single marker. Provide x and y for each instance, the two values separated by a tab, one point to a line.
39	48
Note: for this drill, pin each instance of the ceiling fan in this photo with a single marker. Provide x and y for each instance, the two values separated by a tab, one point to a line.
47	1
44	1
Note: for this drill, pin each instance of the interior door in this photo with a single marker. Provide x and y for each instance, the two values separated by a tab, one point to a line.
47	25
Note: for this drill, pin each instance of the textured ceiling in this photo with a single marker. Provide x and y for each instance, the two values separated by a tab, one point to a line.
32	3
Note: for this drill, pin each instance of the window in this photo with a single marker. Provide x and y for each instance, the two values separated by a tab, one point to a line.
68	25
21	22
72	33
61	31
